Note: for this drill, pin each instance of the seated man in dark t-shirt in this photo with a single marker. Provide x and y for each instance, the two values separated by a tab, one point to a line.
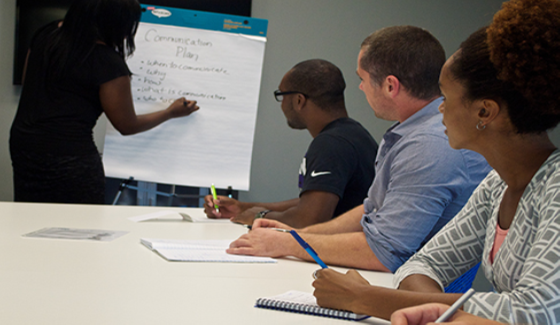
338	167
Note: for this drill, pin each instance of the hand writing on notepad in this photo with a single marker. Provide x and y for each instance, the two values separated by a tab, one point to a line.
229	207
337	290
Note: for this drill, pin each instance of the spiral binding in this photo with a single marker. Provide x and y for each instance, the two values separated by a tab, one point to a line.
307	309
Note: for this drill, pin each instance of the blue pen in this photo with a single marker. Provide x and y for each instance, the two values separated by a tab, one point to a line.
308	248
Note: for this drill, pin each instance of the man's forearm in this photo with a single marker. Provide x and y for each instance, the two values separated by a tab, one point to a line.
295	218
345	223
276	207
346	249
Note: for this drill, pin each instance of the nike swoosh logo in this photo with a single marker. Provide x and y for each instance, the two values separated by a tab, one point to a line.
316	174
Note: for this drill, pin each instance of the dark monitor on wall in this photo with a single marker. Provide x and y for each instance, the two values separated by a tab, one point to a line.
32	14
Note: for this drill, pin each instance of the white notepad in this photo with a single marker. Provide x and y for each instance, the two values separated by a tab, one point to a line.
304	303
199	251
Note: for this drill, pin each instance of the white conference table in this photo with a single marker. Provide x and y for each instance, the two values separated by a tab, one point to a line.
54	281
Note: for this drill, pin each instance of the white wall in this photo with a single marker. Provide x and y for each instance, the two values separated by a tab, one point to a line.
298	30
9	94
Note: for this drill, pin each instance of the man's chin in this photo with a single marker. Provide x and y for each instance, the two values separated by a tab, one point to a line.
295	126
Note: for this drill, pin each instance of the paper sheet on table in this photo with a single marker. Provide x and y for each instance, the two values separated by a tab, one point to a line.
76	234
222	71
195	216
199	251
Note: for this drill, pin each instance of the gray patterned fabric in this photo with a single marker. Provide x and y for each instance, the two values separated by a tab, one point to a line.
526	269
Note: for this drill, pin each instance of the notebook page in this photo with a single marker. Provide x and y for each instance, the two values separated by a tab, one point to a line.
199	251
186	244
193	215
209	255
296	297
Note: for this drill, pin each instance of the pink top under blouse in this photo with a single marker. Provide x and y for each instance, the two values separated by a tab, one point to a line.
498	240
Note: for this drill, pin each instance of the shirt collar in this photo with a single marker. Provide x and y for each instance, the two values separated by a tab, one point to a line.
409	124
334	122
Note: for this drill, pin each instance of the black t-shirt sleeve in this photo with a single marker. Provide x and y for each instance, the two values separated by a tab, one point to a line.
330	164
104	63
107	65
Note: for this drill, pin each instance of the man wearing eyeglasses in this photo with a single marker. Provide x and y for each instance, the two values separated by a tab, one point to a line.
338	167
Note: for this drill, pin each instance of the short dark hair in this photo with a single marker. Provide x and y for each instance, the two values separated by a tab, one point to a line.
321	81
411	54
113	22
515	62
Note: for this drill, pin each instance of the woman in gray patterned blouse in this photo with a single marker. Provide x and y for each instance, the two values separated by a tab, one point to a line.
501	92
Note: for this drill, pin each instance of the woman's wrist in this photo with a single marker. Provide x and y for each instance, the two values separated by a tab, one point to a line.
362	302
168	113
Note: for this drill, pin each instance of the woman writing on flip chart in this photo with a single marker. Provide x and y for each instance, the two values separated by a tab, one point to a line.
501	97
75	70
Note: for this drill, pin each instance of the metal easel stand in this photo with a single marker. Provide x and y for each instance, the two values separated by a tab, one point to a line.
147	193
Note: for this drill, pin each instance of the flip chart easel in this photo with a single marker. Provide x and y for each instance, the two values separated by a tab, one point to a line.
215	59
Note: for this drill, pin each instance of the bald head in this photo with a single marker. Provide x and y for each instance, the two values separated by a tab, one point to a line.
321	81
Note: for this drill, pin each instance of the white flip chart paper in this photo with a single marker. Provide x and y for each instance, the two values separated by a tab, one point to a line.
222	72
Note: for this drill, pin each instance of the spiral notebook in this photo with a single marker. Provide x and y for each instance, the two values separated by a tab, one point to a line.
304	303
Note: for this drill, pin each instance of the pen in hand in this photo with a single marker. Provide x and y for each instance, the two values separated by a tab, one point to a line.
458	304
215	197
250	227
308	248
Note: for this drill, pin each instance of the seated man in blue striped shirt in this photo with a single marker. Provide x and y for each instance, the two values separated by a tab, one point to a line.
420	181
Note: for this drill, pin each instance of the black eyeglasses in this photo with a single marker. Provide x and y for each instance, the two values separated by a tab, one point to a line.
278	95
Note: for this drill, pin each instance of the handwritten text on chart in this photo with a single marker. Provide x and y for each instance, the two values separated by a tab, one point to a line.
153	36
183	67
181	50
168	95
173	92
189	95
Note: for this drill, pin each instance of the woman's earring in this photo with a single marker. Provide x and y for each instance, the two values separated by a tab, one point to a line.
479	126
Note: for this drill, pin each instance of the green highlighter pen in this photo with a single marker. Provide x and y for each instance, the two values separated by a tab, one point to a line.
215	198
